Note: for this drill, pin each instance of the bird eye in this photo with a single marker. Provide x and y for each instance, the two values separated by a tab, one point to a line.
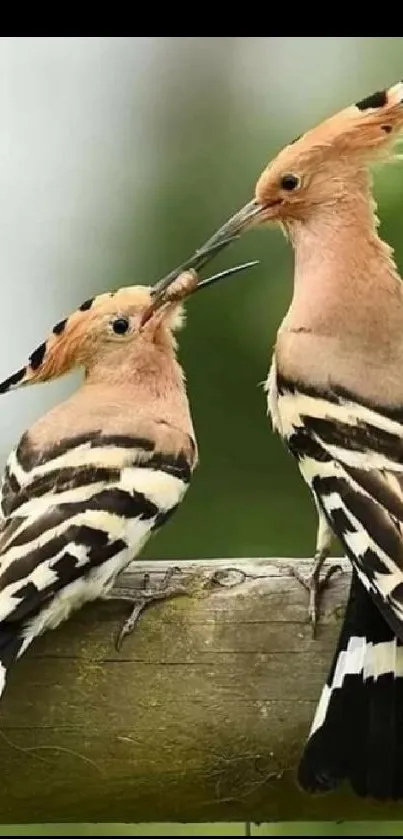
120	326
290	182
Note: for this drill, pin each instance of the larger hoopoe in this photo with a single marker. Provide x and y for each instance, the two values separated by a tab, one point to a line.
335	394
90	481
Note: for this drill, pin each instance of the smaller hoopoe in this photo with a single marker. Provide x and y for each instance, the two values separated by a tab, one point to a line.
93	478
335	395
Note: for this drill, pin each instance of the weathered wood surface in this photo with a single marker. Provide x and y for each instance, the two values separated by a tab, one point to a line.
200	717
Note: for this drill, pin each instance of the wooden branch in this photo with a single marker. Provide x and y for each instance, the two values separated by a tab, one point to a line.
200	717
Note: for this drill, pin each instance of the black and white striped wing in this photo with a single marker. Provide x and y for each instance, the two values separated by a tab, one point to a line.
351	455
9	487
80	515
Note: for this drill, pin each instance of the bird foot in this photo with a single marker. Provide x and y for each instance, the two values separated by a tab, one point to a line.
145	597
315	586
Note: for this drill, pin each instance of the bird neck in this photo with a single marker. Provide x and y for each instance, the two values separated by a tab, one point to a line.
344	273
345	322
148	379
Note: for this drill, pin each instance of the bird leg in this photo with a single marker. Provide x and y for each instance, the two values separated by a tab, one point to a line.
145	597
313	583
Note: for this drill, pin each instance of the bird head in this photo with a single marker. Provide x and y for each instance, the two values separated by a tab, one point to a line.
322	166
112	329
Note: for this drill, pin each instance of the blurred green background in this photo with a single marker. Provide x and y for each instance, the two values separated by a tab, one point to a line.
119	156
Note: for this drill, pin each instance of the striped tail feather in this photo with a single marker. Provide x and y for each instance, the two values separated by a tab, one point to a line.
350	453
357	732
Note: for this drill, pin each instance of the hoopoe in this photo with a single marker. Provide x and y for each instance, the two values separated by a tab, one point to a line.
335	395
97	475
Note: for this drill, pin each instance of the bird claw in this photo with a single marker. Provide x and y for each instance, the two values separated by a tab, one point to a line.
146	597
315	586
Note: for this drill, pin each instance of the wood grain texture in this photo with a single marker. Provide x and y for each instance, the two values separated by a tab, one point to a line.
200	717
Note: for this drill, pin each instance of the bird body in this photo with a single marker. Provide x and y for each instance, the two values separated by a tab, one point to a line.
90	481
335	395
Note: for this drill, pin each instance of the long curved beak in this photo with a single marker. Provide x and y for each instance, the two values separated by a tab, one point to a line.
223	237
220	276
199	259
165	297
237	224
